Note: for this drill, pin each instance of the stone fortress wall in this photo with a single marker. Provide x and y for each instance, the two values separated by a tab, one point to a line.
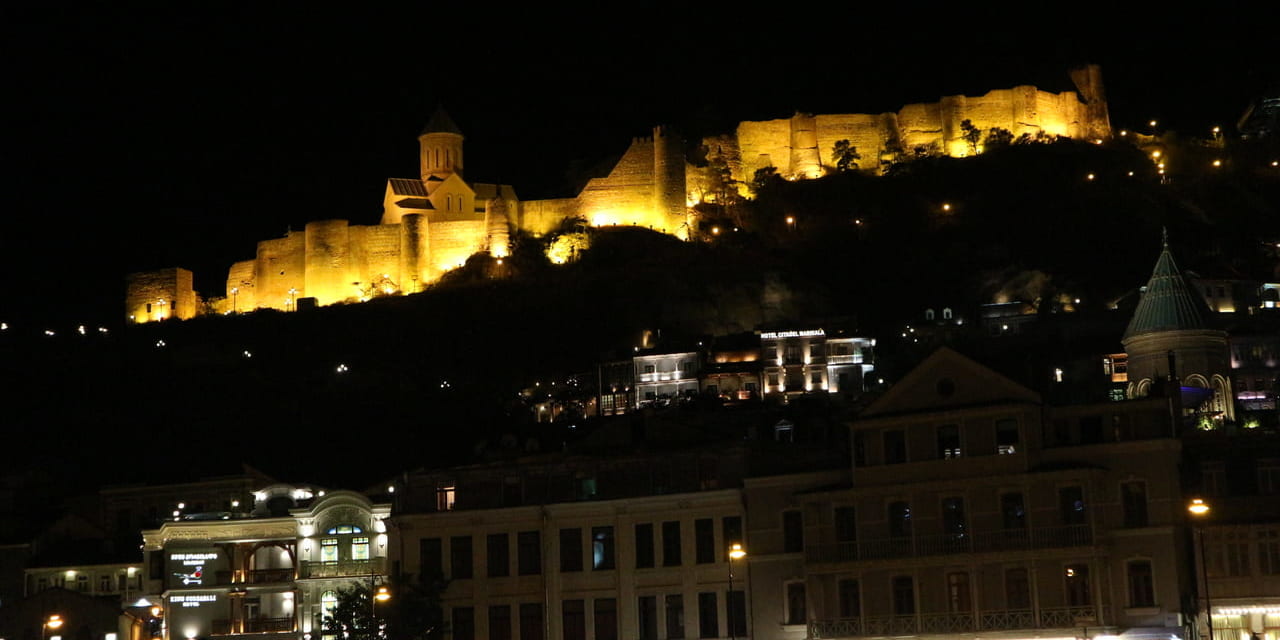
436	222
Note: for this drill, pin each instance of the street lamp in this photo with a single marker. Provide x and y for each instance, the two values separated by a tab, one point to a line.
54	622
736	552
1199	510
235	293
380	594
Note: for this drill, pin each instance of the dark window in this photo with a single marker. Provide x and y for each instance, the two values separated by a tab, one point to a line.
958	597
647	617
953	518
1012	512
499	555
1006	436
1134	495
731	531
1078	591
1090	429
500	622
895	447
795	603
948	441
671	544
675	616
511	494
846	521
859	447
429	557
850	598
704	537
529	553
1017	589
644	546
531	621
1071	505
570	550
899	519
464	623
904	596
606	619
460	557
1141	589
574	619
792	531
602	548
736	601
708	616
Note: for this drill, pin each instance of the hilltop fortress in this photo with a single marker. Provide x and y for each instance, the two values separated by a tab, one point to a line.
433	223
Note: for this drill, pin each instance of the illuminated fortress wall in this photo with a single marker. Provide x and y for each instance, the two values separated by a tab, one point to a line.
435	222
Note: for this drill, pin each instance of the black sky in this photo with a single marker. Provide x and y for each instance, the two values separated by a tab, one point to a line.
144	137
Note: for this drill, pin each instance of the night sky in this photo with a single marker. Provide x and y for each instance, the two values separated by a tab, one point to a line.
181	135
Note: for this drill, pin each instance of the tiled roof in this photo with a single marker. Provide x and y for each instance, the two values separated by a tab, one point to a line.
1169	304
407	187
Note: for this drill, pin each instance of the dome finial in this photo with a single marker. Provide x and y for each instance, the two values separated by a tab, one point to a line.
1164	237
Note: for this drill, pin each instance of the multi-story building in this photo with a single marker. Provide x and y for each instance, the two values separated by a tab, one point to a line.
732	370
662	378
121	581
972	508
582	548
272	570
807	360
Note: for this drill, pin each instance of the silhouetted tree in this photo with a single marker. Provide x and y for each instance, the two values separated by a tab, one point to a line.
970	134
845	155
998	137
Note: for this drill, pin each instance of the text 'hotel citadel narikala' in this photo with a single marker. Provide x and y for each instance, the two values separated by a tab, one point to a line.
433	223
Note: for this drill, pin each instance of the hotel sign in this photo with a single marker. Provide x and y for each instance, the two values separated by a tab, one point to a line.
807	333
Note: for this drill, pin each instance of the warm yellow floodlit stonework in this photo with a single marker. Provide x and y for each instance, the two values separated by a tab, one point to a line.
434	222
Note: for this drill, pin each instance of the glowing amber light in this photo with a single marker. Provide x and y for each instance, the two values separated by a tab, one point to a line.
1198	507
1155	154
736	551
383	594
54	621
946	206
1217	163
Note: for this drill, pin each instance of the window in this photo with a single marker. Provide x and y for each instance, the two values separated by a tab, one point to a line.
1006	436
1141	590
602	548
1017	588
574	618
773	382
570	550
846	522
1230	555
796	612
1012	512
460	557
1213	478
499	555
464	623
1269	551
500	622
606	619
329	550
708	616
792	532
953	517
736	613
675	616
730	532
360	548
531	621
1269	477
647	617
445	496
1134	497
1071	505
815	379
899	519
815	350
429	557
948	442
904	596
958	597
671	544
850	598
104	584
644	546
328	603
704	537
1077	583
895	447
529	553
512	494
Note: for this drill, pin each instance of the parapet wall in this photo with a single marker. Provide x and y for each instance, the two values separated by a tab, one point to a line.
151	296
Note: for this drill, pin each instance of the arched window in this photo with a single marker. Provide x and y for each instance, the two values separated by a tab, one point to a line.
928	314
946	313
328	603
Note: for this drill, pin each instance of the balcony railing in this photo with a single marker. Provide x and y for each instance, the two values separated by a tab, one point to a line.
252	625
343	568
845	359
1075	535
1005	620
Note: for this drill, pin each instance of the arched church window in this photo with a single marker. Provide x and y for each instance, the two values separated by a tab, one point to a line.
946	313
328	603
1144	388
928	314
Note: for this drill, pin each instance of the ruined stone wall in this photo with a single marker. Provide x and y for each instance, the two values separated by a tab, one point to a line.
453	241
241	276
151	296
375	252
625	196
280	266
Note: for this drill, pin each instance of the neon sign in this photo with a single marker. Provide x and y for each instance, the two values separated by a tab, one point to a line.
807	333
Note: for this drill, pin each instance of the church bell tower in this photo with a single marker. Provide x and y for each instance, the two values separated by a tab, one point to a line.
440	148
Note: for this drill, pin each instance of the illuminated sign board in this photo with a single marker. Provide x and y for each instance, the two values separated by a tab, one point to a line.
193	600
807	333
194	567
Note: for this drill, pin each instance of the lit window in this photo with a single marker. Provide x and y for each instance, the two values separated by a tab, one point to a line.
445	497
360	548
329	550
328	603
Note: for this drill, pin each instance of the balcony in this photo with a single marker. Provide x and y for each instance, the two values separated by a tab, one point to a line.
1078	535
252	625
343	568
1001	620
845	359
267	576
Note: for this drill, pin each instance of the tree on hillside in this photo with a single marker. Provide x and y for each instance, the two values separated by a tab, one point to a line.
971	134
763	178
845	155
998	137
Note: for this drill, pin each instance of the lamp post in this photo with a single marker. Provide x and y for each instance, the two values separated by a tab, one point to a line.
1199	510
376	595
235	293
736	552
